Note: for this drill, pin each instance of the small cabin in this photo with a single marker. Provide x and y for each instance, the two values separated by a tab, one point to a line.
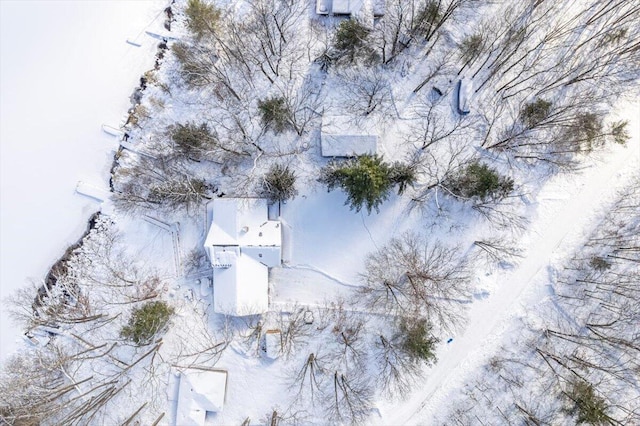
200	391
342	138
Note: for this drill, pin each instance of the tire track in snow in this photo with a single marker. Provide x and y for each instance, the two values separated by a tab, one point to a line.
488	318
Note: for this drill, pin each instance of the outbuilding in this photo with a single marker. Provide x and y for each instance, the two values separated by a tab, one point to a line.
200	391
341	138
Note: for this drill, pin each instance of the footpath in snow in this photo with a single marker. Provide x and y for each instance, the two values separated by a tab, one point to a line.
555	234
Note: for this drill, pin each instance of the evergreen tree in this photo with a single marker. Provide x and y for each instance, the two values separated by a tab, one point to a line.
202	18
590	407
535	112
367	180
279	184
191	139
478	180
417	340
351	39
275	114
146	322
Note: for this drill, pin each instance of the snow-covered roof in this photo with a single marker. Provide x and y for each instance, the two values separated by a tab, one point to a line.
242	222
341	7
348	145
341	137
242	244
200	391
241	288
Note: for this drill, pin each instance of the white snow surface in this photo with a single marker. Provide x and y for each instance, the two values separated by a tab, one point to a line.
555	234
66	69
324	246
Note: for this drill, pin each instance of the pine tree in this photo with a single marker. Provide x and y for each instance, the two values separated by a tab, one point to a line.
351	39
279	184
275	114
202	18
147	321
367	180
478	180
417	340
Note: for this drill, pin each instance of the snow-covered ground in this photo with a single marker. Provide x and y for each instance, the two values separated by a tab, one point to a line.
65	70
570	205
156	252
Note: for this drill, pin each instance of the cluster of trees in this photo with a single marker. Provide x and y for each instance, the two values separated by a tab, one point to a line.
563	70
85	369
413	277
544	83
577	358
380	342
355	357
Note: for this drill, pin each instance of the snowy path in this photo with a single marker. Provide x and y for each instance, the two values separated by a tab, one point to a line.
489	318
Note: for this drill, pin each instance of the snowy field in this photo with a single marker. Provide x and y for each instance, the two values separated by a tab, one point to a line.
66	70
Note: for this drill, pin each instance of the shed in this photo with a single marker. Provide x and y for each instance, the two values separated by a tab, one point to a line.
200	391
348	145
340	137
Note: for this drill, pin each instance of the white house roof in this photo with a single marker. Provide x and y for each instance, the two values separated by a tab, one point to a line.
242	244
242	288
200	391
348	145
341	7
347	7
341	137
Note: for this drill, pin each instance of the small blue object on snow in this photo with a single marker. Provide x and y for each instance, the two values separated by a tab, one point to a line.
450	340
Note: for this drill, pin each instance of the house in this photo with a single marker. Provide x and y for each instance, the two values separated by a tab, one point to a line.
242	244
200	391
340	138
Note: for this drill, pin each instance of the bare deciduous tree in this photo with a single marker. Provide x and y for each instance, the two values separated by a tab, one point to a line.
414	277
366	93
